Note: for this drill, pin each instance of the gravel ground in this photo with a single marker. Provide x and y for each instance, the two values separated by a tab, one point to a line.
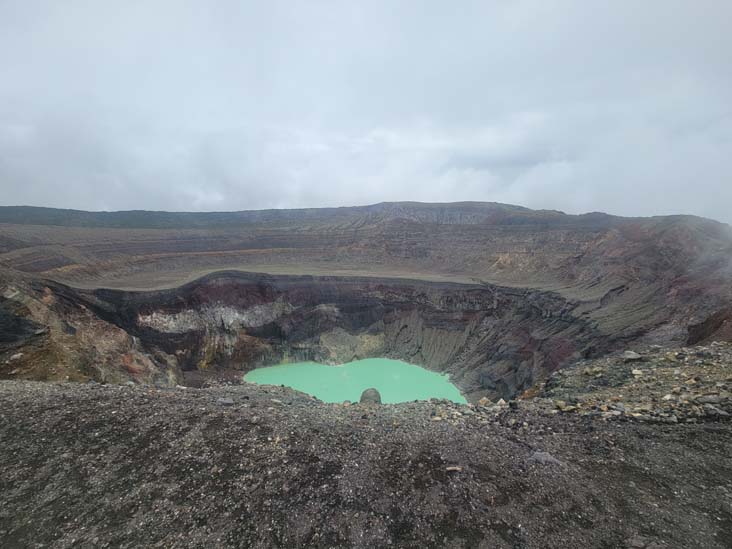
248	466
657	385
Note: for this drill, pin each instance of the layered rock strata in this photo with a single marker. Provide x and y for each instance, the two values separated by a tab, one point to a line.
490	339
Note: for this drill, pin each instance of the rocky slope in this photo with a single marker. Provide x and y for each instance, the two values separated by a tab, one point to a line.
499	296
657	385
89	465
587	255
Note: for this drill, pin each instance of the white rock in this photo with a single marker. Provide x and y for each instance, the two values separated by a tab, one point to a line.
631	356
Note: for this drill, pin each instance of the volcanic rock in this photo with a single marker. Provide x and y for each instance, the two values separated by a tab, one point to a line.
370	396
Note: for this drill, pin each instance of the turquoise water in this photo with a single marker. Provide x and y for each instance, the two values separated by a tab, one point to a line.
397	381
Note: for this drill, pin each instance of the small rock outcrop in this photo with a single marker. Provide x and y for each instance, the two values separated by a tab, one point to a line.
370	396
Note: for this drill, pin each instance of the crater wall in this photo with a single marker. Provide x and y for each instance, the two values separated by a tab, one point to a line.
490	339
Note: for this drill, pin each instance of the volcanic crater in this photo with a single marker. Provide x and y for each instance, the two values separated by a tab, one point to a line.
496	296
490	339
593	351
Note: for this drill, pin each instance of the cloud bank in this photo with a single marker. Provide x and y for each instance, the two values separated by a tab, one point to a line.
624	107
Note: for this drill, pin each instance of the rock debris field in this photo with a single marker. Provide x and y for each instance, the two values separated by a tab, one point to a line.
628	451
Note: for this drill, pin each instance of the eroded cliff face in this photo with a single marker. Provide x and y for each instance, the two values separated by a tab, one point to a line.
490	339
49	333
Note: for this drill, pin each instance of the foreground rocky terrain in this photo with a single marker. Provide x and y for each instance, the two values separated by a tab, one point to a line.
90	465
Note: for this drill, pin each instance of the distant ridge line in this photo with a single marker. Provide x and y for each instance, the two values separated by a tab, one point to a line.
450	213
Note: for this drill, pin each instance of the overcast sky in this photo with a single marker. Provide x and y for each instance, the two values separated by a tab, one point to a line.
618	106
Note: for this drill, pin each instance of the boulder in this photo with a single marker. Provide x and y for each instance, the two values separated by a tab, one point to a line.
370	396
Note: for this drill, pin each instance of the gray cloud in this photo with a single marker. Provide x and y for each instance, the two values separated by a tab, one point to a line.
623	107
